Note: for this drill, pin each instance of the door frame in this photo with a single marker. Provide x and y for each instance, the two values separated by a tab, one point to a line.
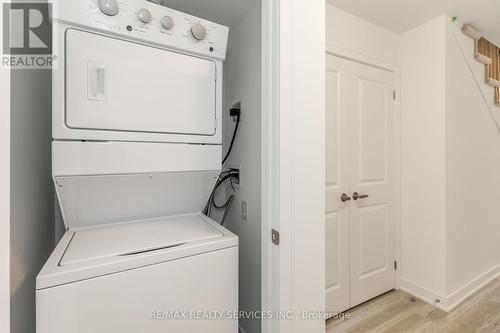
293	85
396	70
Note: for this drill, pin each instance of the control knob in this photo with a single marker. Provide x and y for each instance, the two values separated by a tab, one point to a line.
144	15
199	31
167	22
108	7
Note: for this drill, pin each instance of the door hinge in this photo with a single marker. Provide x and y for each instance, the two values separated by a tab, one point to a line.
395	265
394	94
275	236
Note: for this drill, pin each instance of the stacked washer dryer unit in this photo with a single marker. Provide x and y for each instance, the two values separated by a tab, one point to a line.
137	108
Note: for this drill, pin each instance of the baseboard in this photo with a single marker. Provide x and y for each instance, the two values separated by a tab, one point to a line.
422	293
450	302
458	296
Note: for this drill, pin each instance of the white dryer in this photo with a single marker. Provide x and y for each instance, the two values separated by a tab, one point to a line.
137	106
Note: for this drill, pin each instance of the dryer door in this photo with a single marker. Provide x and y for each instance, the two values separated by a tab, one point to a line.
117	85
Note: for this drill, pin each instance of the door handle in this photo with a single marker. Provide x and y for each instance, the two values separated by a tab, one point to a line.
96	81
357	196
345	197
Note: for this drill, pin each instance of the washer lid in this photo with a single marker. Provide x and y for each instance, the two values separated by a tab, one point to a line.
93	252
90	201
140	237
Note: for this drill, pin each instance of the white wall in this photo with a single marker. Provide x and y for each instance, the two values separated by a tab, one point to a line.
450	163
243	83
31	206
301	156
4	200
357	35
422	53
472	169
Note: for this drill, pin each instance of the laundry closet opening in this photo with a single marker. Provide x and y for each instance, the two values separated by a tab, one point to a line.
236	203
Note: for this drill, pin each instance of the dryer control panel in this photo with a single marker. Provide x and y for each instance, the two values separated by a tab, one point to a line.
146	22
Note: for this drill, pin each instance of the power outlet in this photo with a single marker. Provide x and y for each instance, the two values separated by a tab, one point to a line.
236	106
244	210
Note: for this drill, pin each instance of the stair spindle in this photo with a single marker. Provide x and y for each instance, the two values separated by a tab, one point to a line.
489	54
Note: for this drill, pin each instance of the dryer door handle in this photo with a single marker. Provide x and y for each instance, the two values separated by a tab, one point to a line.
96	81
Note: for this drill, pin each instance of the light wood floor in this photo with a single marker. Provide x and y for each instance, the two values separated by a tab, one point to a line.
397	312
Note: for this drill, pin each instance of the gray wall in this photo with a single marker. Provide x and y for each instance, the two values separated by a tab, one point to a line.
31	190
5	201
32	225
243	83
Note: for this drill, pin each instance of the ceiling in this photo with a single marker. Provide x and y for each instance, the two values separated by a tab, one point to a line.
224	12
402	15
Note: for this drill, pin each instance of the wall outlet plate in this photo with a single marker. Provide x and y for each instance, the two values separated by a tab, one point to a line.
244	210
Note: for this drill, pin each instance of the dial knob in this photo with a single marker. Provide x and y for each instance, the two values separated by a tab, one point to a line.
108	7
144	15
167	22
199	31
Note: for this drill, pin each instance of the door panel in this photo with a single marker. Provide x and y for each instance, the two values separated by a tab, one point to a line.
359	233
372	121
372	240
118	85
371	160
336	219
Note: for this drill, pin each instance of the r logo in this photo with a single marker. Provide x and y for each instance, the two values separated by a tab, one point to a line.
27	28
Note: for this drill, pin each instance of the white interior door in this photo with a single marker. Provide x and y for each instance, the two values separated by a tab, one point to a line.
337	183
371	175
360	231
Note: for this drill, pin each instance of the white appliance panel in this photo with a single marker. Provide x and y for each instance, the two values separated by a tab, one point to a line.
54	274
127	24
88	201
128	239
119	85
71	158
125	302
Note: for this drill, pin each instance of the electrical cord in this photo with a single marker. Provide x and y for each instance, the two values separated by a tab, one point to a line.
234	112
220	180
225	175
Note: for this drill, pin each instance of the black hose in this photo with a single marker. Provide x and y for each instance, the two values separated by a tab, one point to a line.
226	210
233	138
222	178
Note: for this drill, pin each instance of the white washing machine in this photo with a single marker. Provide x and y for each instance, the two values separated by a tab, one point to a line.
137	108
